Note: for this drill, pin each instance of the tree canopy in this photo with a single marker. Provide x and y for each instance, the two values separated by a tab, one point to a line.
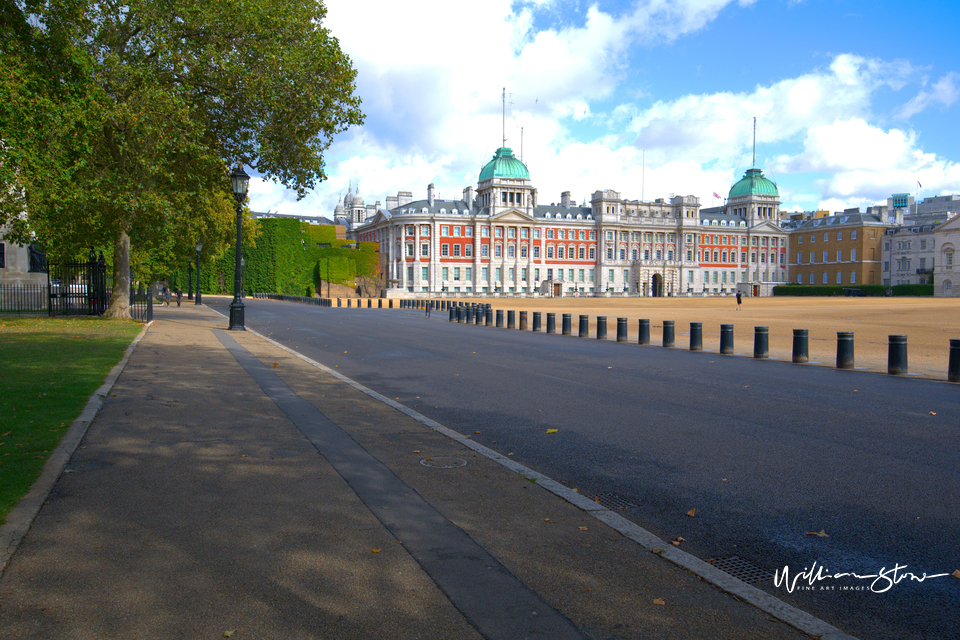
119	120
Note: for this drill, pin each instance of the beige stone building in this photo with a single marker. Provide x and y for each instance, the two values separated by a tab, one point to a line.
946	279
842	249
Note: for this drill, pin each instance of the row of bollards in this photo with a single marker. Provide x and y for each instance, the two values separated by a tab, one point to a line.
482	313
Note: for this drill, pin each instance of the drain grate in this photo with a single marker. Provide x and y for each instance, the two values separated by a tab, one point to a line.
741	569
443	463
614	501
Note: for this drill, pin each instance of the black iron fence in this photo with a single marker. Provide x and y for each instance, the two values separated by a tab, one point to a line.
72	289
78	288
24	299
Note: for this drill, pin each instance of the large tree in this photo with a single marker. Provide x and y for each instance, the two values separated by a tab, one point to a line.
121	119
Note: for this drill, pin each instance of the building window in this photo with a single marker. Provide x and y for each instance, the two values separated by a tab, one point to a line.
813	237
536	252
456	274
484	232
523	251
468	231
593	253
581	276
468	250
424	273
445	250
511	251
853	277
839	255
536	234
498	251
825	257
550	252
839	235
853	255
456	232
561	252
425	250
826	236
799	278
609	253
468	273
446	273
524	233
512	232
853	234
839	277
484	251
825	275
445	230
623	253
498	232
424	229
456	251
410	251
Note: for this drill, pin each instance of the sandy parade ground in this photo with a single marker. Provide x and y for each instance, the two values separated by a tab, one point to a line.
928	323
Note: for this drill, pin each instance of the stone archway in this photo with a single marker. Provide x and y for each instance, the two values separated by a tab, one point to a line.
656	286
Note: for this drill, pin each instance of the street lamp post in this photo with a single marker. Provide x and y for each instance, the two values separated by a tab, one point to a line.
243	284
198	247
239	180
189	281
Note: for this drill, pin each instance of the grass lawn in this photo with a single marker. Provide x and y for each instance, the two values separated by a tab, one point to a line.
48	369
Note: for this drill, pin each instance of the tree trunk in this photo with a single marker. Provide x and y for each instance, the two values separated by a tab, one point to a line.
120	297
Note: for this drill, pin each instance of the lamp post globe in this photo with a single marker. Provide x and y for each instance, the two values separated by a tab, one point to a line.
239	181
198	247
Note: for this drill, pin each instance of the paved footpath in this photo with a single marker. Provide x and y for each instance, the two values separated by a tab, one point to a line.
228	488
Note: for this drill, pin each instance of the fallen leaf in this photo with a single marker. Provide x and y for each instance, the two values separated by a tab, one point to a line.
659	601
6	434
956	573
476	432
723	479
692	512
933	413
227	634
274	365
546	519
819	534
375	550
582	528
551	430
656	551
416	451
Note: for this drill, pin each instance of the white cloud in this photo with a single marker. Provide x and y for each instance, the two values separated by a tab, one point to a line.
431	73
944	93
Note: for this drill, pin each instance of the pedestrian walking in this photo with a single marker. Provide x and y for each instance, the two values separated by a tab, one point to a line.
179	295
739	300
166	295
427	313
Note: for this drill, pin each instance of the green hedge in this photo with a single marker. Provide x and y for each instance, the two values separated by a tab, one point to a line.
827	290
865	289
912	289
287	259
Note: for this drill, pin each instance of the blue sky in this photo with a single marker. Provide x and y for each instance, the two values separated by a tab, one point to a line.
854	100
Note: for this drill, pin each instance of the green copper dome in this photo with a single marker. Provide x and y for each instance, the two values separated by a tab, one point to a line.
504	165
754	183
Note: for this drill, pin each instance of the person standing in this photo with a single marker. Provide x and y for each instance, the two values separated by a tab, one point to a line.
179	295
739	300
427	313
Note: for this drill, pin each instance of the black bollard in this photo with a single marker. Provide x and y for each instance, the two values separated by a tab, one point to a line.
584	326
500	318
338	302
461	314
696	336
453	313
621	329
844	349
601	327
953	365
897	356
801	346
389	303
726	339
566	325
523	321
536	321
644	332
761	342
669	333
379	303
511	320
488	320
551	323
478	315
469	312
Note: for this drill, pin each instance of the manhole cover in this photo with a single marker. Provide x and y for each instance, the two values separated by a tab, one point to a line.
614	501
443	463
741	569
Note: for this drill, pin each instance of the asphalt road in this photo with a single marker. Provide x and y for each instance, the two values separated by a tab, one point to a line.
766	452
